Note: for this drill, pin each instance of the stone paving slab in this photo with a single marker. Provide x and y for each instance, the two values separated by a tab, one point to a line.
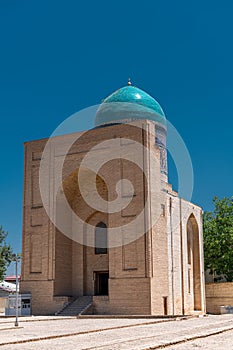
223	341
57	327
122	334
11	319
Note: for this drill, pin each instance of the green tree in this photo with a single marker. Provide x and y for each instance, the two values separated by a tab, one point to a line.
218	239
5	253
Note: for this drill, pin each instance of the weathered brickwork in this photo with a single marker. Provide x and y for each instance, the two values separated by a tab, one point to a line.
160	272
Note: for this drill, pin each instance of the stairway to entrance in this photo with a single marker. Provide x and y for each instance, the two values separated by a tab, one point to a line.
76	307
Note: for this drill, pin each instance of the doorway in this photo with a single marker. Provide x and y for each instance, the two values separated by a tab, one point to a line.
101	283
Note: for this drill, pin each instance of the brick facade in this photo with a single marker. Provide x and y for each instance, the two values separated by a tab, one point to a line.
150	275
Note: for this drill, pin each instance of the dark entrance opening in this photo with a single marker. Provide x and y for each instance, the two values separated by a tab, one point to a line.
101	283
165	305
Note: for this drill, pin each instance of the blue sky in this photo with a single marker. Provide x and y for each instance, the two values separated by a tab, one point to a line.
58	57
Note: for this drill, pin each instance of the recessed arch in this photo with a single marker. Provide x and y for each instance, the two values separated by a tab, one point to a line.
193	258
74	237
101	238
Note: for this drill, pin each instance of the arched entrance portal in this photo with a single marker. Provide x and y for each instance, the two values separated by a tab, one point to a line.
193	257
79	260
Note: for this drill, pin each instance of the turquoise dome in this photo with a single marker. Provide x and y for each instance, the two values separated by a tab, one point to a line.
127	104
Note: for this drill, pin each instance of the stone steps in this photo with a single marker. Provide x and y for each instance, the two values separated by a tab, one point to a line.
76	307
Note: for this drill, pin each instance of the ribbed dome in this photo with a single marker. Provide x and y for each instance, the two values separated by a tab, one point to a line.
129	103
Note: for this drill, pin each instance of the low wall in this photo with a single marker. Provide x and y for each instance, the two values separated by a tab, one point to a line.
217	295
101	305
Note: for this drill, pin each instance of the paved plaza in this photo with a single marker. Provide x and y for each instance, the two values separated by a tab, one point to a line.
211	332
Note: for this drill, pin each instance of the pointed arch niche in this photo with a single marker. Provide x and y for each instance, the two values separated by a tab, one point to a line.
193	259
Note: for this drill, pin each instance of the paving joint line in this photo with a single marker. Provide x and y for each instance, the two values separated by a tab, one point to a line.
40	320
186	340
144	338
10	328
81	333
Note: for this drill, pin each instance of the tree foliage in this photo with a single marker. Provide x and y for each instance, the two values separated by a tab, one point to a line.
218	239
5	253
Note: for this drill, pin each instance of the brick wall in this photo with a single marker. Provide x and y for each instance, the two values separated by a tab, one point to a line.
218	294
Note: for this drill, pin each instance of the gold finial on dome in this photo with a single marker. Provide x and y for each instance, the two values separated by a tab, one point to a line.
129	82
